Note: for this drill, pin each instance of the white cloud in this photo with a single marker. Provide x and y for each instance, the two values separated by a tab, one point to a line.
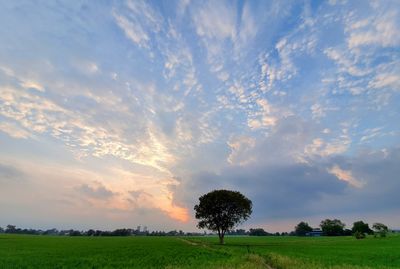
239	92
224	31
300	40
275	71
86	67
8	71
179	66
285	51
382	30
247	29
343	60
40	115
132	30
223	76
28	84
317	111
386	80
182	6
254	124
365	66
14	130
216	20
240	147
146	13
264	118
369	134
269	74
138	22
324	148
345	175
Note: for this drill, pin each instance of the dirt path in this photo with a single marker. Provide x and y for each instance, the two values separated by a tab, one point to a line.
253	257
188	242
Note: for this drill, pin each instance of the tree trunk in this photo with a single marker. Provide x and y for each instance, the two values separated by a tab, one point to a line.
221	238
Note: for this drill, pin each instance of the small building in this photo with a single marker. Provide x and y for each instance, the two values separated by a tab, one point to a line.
315	232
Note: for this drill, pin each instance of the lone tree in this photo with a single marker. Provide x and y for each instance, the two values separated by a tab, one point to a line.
222	210
302	229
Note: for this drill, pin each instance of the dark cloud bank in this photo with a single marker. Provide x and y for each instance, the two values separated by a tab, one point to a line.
283	188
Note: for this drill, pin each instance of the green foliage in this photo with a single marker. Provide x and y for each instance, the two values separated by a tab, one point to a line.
302	229
332	227
222	210
380	229
258	232
359	235
360	226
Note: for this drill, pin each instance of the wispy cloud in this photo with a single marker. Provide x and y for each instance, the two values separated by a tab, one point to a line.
345	175
138	22
216	21
14	130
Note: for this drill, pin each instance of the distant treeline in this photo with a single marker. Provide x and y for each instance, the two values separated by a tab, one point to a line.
12	229
335	227
327	227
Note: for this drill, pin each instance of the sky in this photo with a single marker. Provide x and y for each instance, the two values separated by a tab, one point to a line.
122	113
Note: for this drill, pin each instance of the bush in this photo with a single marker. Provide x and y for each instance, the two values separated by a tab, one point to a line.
359	235
380	229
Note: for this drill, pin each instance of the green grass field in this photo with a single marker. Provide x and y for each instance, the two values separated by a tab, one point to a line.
22	251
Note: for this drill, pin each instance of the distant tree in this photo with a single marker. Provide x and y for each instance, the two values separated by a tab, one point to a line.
360	226
90	232
380	229
53	231
302	228
121	232
332	227
172	233
237	232
11	229
258	232
75	233
1	230
241	232
222	210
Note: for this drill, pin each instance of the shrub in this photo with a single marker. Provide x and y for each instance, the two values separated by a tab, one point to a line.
359	235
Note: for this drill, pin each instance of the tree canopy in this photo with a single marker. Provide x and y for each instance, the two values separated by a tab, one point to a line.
380	229
222	210
258	232
361	227
302	229
332	227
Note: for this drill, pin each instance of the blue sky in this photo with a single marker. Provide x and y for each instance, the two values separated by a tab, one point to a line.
122	113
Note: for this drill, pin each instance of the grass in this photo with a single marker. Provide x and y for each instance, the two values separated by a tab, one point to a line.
321	252
23	251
